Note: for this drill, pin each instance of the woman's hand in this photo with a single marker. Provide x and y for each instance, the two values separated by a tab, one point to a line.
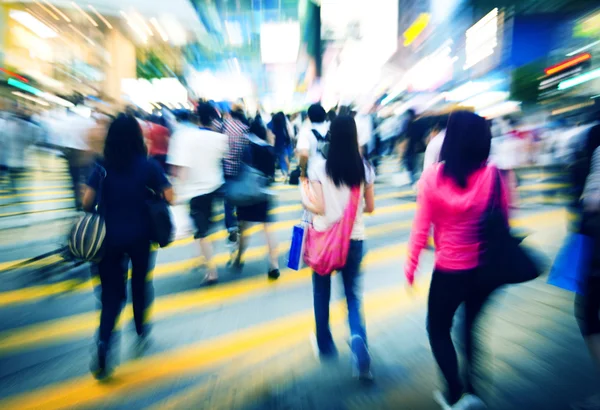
410	277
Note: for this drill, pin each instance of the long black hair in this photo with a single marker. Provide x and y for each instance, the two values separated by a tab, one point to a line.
124	142
466	146
344	164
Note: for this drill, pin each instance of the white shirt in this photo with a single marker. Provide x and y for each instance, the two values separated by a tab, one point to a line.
308	142
433	150
336	199
201	151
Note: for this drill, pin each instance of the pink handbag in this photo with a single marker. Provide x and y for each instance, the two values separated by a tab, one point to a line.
327	251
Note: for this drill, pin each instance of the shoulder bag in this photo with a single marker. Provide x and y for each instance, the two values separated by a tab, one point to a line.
327	251
504	260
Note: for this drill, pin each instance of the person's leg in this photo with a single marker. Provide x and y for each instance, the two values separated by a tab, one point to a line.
113	285
321	296
231	222
284	161
351	278
587	311
272	246
201	211
242	244
475	301
112	295
141	288
446	293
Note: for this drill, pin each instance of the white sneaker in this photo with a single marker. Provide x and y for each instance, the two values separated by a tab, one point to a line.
466	402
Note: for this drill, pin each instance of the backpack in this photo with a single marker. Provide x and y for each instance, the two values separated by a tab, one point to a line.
322	143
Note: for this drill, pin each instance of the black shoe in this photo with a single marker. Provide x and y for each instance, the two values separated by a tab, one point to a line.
99	366
233	237
274	274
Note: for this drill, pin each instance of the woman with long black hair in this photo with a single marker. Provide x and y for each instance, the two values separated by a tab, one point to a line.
453	196
121	190
331	183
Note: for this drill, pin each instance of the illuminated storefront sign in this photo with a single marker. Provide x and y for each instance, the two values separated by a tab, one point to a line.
557	68
589	27
580	79
416	28
481	39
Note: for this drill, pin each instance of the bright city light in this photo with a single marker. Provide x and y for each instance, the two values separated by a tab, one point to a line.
580	79
481	39
33	24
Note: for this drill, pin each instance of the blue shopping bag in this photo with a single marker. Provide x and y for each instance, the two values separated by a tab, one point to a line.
296	255
571	266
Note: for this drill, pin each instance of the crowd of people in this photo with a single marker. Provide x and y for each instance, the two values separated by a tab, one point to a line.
192	157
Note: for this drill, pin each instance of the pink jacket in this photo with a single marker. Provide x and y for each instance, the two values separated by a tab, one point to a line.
456	216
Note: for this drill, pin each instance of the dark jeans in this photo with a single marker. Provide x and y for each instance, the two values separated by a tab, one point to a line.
113	278
231	222
447	292
587	307
322	293
410	162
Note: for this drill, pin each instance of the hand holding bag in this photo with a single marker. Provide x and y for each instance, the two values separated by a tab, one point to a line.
504	260
327	251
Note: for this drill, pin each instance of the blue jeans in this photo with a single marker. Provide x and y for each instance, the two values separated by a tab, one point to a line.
231	222
283	155
322	292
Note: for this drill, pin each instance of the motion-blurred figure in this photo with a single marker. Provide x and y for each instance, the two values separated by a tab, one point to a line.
122	186
74	131
236	128
453	196
307	145
196	155
261	156
283	142
436	140
331	182
17	133
157	139
587	304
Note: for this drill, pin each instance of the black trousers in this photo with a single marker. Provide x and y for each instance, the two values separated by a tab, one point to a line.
587	307
447	292
113	269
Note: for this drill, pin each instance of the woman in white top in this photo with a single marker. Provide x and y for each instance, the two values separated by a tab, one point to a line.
331	182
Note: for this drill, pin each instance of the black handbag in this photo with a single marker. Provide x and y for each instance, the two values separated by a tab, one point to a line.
162	229
505	260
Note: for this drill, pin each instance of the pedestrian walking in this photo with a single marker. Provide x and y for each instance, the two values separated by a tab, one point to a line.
196	155
260	156
235	126
587	303
120	189
283	142
307	146
453	197
341	190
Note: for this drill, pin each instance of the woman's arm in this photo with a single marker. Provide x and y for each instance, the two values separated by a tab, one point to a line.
169	195
369	199
419	233
313	201
89	199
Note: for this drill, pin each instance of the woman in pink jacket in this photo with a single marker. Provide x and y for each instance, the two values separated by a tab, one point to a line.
453	196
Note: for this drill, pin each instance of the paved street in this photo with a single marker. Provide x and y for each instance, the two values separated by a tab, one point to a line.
245	343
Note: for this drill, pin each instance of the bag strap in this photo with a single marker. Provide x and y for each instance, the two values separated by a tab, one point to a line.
352	208
100	204
318	136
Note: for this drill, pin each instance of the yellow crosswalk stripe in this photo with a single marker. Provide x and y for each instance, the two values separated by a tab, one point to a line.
139	375
55	331
38	194
60	329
